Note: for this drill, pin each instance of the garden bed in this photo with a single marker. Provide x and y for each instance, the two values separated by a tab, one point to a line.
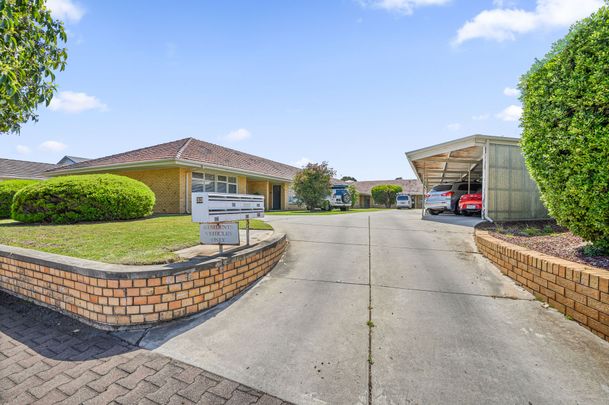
549	238
151	240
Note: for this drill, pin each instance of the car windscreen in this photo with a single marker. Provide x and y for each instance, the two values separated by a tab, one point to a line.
442	187
473	187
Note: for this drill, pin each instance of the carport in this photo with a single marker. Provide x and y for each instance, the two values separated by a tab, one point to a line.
508	191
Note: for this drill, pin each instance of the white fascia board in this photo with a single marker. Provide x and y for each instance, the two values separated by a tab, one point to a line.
165	163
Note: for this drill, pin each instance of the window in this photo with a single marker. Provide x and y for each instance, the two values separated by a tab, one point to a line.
473	187
210	183
442	187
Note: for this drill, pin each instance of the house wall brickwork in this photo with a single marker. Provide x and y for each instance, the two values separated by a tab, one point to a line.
167	184
124	299
578	291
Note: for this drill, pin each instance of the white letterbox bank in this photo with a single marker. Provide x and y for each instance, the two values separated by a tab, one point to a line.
215	211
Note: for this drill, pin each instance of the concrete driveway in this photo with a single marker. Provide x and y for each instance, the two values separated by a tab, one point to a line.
445	326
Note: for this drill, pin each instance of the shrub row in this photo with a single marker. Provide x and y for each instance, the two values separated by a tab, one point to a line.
8	189
565	124
69	199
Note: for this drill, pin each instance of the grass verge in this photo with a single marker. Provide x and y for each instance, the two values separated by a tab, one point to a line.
146	241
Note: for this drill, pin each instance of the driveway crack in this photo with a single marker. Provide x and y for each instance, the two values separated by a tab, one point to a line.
370	322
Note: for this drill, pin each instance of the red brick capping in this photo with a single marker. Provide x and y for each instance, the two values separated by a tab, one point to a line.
578	291
121	297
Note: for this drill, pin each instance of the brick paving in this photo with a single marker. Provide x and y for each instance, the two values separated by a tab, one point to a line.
48	358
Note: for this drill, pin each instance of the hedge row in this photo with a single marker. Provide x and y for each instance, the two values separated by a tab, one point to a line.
565	125
8	189
69	199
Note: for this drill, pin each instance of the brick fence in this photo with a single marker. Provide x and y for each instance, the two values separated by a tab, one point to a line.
578	291
120	297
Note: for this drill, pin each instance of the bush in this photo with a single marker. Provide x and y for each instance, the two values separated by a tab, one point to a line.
8	188
95	197
313	184
565	124
385	194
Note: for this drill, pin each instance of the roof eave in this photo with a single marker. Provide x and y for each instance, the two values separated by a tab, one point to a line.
461	143
161	163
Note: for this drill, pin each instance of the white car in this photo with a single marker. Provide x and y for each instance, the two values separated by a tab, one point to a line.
339	198
445	197
403	201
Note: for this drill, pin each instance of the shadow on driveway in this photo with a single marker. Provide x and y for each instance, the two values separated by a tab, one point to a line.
451	219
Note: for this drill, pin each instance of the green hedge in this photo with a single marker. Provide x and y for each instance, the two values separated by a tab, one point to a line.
95	197
565	124
8	188
385	194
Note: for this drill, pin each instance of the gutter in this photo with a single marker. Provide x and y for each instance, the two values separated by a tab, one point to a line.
165	163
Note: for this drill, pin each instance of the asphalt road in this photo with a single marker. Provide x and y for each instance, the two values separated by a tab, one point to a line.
445	325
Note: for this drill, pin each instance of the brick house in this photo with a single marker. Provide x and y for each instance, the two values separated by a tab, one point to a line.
175	169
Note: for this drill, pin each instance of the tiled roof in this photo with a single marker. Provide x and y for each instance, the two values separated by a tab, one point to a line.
21	169
408	186
197	151
73	159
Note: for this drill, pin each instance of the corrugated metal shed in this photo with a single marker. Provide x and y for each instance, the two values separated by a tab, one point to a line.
509	192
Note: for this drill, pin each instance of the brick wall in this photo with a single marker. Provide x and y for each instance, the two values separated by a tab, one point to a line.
168	186
578	291
115	297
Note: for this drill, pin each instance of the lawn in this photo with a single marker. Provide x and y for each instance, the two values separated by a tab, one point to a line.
333	212
146	241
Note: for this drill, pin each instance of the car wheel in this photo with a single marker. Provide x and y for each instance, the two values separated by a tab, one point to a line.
433	212
343	208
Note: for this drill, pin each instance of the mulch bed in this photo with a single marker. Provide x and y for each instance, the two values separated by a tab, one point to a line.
546	237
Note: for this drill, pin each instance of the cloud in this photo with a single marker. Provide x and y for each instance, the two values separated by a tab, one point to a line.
501	24
510	113
405	7
511	92
73	102
481	117
302	162
454	126
22	149
66	10
52	146
238	135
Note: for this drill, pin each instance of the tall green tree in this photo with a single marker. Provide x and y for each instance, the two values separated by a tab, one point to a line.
313	184
30	52
565	139
385	194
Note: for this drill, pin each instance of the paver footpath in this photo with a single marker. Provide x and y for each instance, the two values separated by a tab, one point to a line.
48	358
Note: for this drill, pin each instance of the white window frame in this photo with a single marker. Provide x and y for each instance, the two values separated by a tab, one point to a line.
211	182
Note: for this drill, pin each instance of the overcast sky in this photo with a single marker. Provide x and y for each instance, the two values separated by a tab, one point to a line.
353	82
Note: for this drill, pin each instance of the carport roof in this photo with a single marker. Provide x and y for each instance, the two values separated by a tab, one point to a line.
451	161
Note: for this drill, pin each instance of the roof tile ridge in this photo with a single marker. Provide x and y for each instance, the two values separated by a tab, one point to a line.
181	150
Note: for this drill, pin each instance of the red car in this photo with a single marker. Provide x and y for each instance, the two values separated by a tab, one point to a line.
470	204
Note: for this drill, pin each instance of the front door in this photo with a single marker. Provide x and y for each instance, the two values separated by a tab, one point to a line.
276	198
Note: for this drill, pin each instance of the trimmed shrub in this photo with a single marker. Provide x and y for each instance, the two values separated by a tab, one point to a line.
8	188
385	194
95	197
565	124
